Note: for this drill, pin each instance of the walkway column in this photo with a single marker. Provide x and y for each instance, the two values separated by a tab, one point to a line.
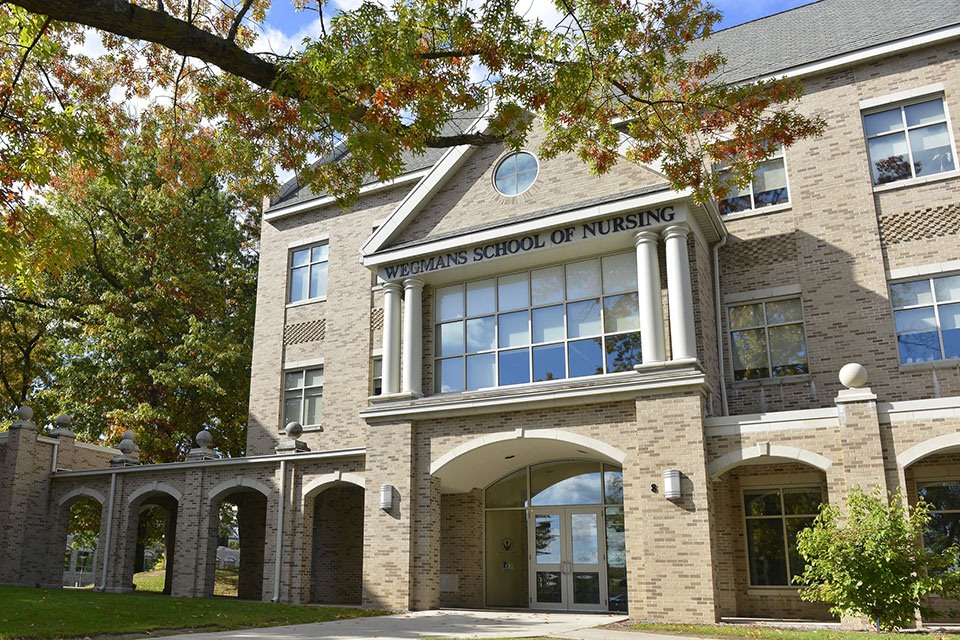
683	338
653	348
412	336
391	338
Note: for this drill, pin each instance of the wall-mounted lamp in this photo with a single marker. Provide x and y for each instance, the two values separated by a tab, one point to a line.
386	497
671	484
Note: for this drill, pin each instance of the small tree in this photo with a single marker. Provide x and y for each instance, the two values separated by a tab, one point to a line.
870	562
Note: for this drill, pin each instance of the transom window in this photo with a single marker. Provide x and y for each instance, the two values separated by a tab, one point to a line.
565	321
927	318
303	397
943	531
767	339
768	187
516	173
308	273
908	141
774	517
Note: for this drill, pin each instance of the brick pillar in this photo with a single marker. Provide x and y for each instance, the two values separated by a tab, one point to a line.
123	535
860	441
670	543
388	535
426	541
189	556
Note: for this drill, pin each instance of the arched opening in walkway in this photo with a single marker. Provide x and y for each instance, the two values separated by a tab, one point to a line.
333	516
238	514
81	515
932	473
760	504
151	539
533	519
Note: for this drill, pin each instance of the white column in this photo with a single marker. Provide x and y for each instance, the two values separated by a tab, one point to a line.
683	338
412	335
651	304
391	338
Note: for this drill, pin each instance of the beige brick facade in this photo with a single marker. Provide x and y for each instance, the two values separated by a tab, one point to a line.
312	525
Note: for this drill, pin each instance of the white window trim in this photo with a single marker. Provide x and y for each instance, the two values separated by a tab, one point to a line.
301	365
895	101
730	331
756	211
506	156
530	346
780	486
927	276
308	246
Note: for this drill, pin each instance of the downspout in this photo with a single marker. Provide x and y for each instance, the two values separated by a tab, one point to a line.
719	311
276	566
106	543
53	463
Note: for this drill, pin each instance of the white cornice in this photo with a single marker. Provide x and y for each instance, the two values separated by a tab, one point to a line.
211	464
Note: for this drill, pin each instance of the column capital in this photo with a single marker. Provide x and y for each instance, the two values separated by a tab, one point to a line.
412	283
641	237
392	287
678	230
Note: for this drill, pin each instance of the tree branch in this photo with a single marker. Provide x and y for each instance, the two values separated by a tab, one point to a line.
23	62
236	21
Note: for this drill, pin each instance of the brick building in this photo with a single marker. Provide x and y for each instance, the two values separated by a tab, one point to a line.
521	385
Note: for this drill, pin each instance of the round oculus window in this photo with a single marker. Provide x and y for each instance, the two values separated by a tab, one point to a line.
516	173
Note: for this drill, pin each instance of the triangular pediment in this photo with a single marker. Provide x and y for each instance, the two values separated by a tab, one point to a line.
460	195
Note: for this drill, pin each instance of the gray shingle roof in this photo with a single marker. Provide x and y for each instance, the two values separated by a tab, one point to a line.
822	30
769	45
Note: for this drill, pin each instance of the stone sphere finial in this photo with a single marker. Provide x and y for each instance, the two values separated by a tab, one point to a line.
64	421
25	413
126	446
853	375
294	430
130	435
204	439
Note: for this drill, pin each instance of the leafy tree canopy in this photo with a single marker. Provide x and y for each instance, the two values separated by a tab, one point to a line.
611	76
870	561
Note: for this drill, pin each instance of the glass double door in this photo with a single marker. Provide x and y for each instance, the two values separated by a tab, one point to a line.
568	569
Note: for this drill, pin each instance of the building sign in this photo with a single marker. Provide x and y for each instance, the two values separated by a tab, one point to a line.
622	223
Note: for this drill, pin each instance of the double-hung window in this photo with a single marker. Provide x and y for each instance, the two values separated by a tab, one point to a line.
774	517
303	397
768	187
308	273
767	339
909	141
565	321
376	375
943	530
927	317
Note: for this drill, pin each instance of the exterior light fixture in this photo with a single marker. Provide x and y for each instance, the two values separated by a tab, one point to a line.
386	497
671	484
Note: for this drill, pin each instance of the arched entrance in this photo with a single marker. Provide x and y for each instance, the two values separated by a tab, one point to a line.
532	519
79	525
238	511
151	538
333	514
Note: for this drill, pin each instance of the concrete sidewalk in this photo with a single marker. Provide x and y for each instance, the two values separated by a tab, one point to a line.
436	624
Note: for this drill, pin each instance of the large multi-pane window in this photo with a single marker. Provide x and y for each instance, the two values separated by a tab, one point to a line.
943	530
565	321
308	273
303	396
774	517
767	339
927	317
908	141
768	187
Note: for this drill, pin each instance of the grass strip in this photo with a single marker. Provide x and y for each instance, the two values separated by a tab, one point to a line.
64	613
756	632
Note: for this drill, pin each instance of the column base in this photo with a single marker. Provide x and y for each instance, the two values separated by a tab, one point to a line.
388	397
679	363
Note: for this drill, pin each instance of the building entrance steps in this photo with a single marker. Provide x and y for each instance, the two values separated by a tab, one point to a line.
444	623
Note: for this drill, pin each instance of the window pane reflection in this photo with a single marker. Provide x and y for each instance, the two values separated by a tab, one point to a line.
565	483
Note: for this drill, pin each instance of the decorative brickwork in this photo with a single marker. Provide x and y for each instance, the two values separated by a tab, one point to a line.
931	222
305	332
376	319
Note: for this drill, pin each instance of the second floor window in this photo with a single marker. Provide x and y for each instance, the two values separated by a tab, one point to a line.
767	339
308	273
768	187
908	141
927	318
565	321
303	397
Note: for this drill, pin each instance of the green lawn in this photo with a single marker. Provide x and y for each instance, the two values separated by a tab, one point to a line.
226	584
68	613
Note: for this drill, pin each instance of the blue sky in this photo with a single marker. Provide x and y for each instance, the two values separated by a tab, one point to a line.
283	18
